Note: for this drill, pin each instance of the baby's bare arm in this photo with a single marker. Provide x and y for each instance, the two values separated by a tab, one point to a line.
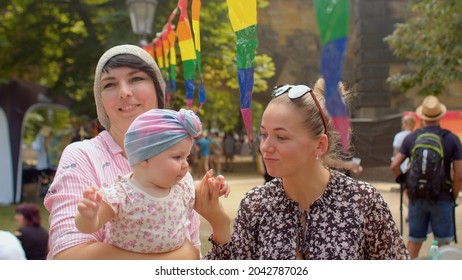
92	213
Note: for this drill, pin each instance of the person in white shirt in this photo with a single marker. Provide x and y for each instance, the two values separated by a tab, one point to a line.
10	247
407	126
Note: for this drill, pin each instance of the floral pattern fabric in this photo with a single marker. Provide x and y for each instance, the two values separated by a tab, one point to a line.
350	221
147	224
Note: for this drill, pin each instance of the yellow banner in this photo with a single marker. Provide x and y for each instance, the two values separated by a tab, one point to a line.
187	50
197	34
242	13
171	40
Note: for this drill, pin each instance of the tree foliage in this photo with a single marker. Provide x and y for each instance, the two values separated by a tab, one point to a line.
431	41
57	43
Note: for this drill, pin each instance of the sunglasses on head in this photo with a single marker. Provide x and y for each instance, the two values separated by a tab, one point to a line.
297	91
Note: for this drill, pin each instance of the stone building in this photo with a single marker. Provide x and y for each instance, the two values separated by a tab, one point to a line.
288	32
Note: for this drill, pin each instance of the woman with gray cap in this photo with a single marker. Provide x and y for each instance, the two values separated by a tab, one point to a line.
127	83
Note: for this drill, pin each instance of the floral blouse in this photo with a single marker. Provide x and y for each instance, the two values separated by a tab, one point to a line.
350	221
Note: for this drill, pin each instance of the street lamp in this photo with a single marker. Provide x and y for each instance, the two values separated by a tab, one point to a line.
141	17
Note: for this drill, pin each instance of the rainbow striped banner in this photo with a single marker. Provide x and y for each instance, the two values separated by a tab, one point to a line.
159	53
195	14
333	18
243	17
149	48
171	39
187	51
165	51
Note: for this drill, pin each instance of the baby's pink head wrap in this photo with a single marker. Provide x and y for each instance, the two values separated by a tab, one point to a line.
157	130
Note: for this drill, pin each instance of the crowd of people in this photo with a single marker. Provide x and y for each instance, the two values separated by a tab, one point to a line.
135	196
218	151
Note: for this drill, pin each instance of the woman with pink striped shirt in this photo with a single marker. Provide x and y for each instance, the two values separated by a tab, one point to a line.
127	83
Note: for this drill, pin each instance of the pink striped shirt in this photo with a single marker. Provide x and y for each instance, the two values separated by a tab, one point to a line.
94	162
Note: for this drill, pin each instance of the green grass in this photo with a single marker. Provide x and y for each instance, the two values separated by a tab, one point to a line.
7	212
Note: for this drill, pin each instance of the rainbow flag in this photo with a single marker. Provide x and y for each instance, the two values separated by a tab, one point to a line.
171	39
159	53
165	51
187	51
196	8
243	17
149	48
333	18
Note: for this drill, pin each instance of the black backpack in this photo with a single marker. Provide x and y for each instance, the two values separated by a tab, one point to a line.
426	177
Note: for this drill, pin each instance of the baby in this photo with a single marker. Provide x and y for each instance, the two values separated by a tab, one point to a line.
149	208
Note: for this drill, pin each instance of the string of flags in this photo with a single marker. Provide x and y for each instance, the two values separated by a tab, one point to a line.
333	23
243	17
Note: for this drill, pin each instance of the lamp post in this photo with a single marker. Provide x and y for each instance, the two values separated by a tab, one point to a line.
141	17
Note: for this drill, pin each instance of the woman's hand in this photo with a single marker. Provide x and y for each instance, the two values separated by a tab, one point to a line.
208	205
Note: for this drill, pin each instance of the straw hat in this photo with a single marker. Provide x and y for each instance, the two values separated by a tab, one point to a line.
431	109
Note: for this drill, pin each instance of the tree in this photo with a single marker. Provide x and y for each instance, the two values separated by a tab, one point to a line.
431	41
57	43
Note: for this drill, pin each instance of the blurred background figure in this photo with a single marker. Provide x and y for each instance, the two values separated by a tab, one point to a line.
40	145
80	133
229	144
44	168
10	247
203	142
216	153
408	125
32	235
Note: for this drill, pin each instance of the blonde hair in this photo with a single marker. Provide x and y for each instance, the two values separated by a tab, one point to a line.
408	122
336	155
320	86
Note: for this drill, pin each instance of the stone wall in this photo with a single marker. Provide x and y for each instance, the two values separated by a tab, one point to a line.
288	32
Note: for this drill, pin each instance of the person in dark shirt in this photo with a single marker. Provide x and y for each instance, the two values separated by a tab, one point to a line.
425	211
31	233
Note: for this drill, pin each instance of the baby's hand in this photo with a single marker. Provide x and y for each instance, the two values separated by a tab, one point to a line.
89	205
220	183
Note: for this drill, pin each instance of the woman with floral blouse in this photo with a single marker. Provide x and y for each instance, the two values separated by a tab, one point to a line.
311	211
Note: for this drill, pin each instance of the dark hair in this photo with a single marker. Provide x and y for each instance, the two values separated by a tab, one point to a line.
31	214
132	61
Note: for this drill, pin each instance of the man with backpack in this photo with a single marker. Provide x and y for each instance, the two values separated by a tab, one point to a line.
433	153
